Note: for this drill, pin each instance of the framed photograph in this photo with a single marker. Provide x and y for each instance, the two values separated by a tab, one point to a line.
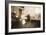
24	17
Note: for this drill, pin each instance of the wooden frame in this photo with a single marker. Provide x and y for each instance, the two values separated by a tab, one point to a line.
6	16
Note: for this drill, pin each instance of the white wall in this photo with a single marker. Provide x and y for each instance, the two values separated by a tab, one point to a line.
32	10
2	16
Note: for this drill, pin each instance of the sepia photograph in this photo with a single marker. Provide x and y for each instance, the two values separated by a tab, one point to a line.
25	17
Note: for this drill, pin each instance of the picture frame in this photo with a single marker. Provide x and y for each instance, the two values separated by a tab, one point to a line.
9	4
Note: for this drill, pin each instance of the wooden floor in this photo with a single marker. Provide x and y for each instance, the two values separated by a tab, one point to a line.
30	24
